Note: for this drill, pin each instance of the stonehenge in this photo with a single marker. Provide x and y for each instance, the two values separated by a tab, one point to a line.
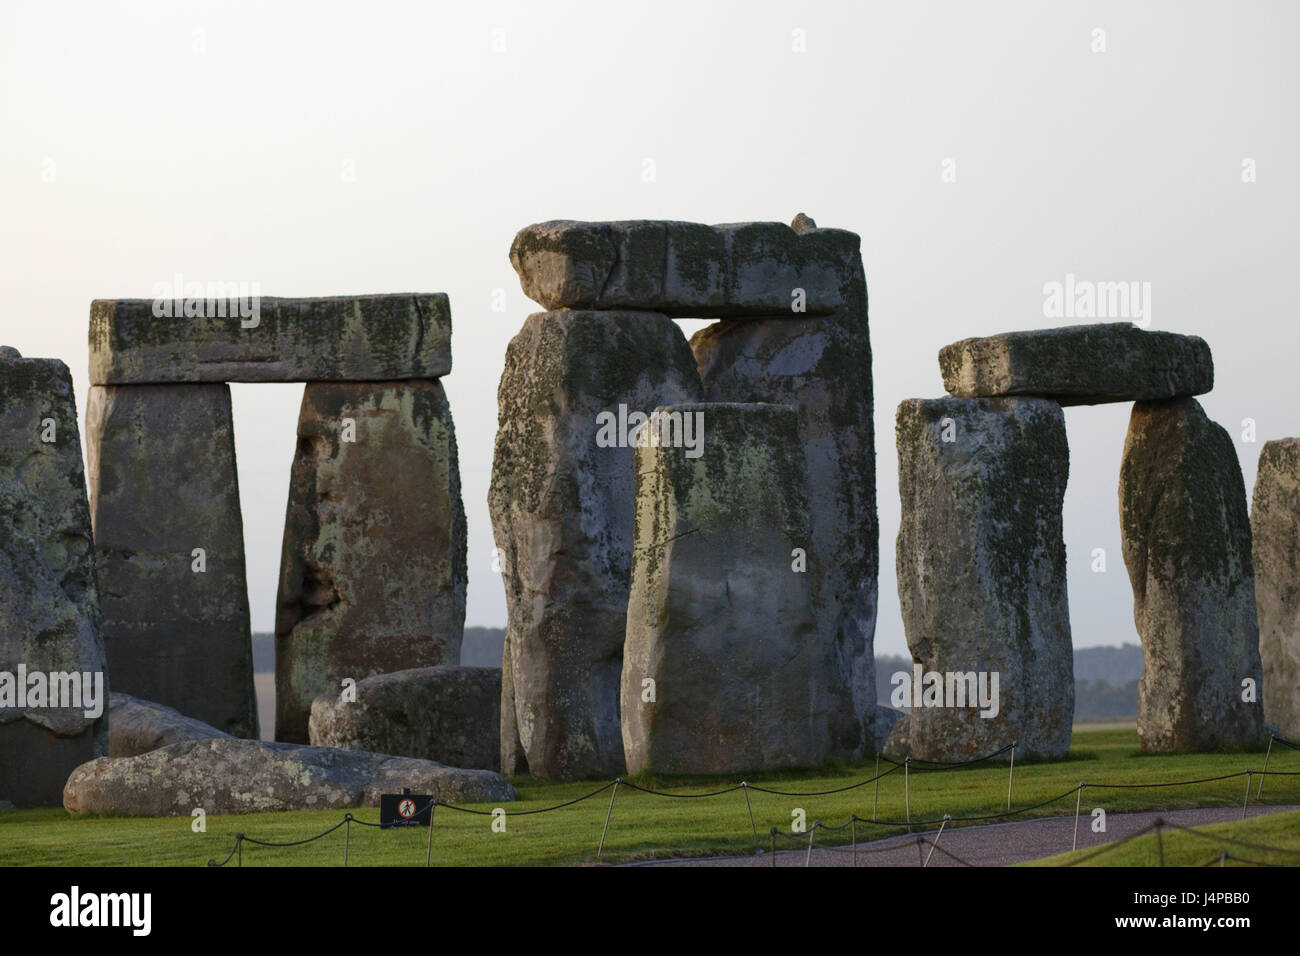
722	668
173	589
53	691
1275	535
372	576
1187	546
1186	537
793	308
981	576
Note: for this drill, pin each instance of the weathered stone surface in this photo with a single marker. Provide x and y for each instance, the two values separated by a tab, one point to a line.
981	572
896	743
822	367
448	714
246	776
372	576
685	268
336	338
49	608
562	515
1186	540
1275	533
887	718
1080	364
718	617
138	726
163	483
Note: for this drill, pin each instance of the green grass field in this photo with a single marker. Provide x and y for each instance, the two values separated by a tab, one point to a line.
1180	848
645	826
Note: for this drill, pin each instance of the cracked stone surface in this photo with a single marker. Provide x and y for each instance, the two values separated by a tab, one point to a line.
981	573
687	269
562	515
138	726
49	607
372	575
1187	547
163	483
337	338
1079	365
719	620
1275	533
448	714
247	776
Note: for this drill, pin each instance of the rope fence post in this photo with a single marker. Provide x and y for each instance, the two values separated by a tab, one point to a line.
608	813
428	852
1078	800
907	792
935	845
744	785
1012	775
239	849
853	831
774	847
1246	801
811	830
347	836
1268	753
875	799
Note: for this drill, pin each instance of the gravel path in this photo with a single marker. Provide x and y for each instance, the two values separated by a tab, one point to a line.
997	844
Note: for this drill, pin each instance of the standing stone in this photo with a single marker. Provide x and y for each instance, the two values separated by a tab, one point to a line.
448	714
1186	539
821	366
372	576
49	609
1275	531
721	634
981	575
562	514
169	543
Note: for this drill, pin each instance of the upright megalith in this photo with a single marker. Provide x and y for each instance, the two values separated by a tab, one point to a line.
1080	364
722	670
1275	534
169	543
981	577
575	385
1187	546
372	575
53	692
822	367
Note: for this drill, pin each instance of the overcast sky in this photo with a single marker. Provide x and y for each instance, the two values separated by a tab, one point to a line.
326	149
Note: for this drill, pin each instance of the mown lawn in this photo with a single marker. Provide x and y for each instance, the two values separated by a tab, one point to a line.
645	826
1181	848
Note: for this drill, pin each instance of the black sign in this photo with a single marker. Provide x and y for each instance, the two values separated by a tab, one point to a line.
404	809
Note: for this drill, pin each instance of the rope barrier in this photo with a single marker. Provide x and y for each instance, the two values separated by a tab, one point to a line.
908	765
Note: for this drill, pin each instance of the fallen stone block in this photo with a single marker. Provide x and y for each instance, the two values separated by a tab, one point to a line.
138	726
372	577
687	269
1275	533
448	714
169	544
1187	547
981	577
1079	365
722	668
225	775
562	501
51	648
336	338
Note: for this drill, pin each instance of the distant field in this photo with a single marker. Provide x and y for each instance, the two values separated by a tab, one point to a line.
644	826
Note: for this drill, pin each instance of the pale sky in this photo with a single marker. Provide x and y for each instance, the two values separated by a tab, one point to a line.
328	149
